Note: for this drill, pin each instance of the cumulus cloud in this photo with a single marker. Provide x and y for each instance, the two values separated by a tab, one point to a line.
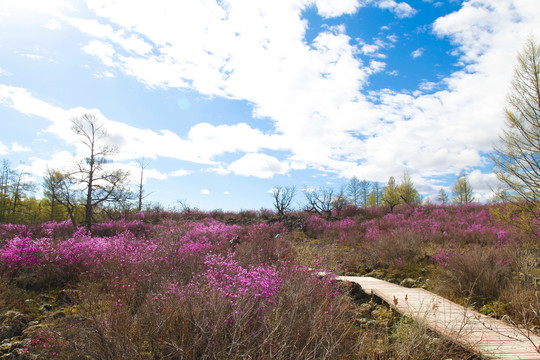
102	50
417	53
312	92
205	192
16	147
400	9
53	24
4	72
181	172
33	56
203	142
258	165
130	42
3	149
333	8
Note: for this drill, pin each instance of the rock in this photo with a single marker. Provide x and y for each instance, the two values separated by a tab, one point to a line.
32	331
29	303
5	346
362	321
13	323
57	315
6	331
45	307
32	323
364	309
18	344
408	282
45	298
68	297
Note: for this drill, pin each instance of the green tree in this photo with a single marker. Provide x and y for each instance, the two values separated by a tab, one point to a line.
58	205
407	191
517	156
375	195
443	196
391	195
462	191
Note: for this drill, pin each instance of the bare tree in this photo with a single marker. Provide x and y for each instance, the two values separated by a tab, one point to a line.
283	197
339	201
142	166
6	177
365	187
353	190
94	182
517	157
320	200
60	188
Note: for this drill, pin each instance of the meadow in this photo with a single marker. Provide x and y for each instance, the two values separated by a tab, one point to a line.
170	285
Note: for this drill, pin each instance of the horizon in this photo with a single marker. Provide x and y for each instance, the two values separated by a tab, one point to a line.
227	99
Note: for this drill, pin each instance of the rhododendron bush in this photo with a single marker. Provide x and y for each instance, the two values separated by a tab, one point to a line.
178	288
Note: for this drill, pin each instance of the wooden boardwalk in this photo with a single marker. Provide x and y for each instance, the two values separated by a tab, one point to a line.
487	337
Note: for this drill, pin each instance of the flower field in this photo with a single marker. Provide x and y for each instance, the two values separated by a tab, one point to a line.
173	287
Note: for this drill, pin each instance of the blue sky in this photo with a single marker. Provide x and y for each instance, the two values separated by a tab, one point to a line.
229	98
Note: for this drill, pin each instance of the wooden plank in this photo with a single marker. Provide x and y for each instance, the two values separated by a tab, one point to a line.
483	335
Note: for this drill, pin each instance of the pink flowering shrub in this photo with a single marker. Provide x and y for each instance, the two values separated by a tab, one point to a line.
22	253
259	312
181	292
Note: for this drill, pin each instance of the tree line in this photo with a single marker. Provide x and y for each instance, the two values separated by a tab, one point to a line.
366	194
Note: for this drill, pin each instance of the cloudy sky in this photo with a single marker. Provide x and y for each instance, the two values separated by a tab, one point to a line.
227	98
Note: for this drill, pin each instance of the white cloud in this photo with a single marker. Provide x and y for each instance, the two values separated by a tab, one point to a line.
4	72
377	66
205	192
61	160
104	51
333	8
417	53
181	172
258	165
51	7
3	149
482	185
428	85
314	93
16	147
130	42
53	24
367	49
105	74
401	10
203	143
33	56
